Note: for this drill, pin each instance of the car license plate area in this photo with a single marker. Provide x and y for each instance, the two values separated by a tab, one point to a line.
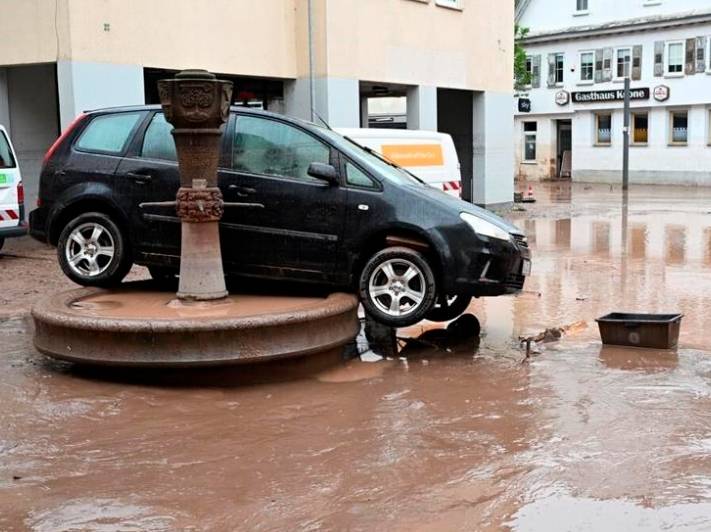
526	267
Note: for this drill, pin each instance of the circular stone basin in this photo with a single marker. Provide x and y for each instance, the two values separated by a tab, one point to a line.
137	325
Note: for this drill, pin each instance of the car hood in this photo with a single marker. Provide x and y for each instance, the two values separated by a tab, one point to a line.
455	204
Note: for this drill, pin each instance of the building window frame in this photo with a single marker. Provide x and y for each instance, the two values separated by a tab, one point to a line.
530	135
598	142
451	4
581	8
590	81
672	141
667	65
529	71
628	49
559	69
633	119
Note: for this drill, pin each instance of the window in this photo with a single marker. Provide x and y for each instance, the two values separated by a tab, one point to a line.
6	158
587	66
624	61
356	177
581	5
709	128
679	127
604	129
158	142
454	4
640	128
269	147
108	133
675	57
529	141
529	70
559	68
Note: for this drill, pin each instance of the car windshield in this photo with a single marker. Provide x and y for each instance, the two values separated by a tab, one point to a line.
6	158
377	163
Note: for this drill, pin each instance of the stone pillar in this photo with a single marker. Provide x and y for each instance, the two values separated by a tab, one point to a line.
337	100
493	149
197	105
84	85
422	108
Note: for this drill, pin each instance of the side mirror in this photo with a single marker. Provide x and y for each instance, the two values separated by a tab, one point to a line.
324	172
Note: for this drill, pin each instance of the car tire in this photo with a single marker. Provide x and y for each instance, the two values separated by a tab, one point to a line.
448	308
93	251
397	287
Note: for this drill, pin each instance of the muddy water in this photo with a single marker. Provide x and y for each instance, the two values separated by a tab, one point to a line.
580	437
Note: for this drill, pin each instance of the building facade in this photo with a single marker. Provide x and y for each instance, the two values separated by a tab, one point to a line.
569	121
450	59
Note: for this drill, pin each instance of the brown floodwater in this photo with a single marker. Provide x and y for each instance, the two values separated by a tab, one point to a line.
578	437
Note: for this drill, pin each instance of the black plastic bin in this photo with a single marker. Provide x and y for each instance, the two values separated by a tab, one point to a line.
658	331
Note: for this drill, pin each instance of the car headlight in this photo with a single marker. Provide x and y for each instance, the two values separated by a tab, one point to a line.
482	227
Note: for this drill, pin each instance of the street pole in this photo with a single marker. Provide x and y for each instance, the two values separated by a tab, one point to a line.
626	138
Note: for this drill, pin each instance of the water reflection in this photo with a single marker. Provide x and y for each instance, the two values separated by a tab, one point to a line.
638	241
562	233
675	237
601	237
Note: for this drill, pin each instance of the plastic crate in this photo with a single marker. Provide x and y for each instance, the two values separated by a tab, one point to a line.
658	331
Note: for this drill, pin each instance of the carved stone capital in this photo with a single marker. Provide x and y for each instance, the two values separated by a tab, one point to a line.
196	205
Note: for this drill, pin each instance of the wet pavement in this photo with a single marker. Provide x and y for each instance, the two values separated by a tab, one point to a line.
474	437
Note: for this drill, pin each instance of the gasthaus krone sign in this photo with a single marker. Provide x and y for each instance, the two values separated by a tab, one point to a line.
610	95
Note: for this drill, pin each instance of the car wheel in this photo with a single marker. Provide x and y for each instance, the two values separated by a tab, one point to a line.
397	287
93	251
447	308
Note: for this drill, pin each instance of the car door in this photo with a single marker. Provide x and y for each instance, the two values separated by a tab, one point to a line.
9	181
297	233
150	173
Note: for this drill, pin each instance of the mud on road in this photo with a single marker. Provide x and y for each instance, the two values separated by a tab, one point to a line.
579	437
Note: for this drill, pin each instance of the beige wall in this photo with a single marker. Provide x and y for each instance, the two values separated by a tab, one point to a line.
411	42
394	41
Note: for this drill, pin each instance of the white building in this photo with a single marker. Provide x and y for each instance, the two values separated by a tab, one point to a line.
579	52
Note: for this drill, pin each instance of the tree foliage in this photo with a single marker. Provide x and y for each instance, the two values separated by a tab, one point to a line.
522	77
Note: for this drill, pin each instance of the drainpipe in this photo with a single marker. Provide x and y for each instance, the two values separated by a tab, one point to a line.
312	87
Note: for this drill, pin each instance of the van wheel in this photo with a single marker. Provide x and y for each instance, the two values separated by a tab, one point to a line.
92	251
447	308
397	287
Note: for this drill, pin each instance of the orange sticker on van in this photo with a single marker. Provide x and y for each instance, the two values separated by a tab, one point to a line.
409	155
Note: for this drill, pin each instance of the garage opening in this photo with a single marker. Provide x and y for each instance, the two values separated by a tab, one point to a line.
455	116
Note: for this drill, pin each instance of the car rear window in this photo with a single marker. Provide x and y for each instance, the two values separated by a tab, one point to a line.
108	133
6	158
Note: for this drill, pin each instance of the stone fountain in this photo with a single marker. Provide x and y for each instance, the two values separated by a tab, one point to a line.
140	325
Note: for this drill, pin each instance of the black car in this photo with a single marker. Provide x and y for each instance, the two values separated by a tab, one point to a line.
334	214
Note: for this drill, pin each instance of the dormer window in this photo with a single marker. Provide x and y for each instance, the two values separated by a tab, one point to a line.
581	7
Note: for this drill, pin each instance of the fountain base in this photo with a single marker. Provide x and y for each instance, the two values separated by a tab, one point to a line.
139	325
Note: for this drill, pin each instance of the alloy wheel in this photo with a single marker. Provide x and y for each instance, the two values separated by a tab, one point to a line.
397	287
89	249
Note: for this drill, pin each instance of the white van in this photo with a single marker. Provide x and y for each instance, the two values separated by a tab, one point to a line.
12	194
427	154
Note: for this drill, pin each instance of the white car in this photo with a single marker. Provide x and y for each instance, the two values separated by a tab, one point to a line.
12	194
429	155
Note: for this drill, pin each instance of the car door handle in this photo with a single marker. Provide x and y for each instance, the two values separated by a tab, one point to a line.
242	191
140	179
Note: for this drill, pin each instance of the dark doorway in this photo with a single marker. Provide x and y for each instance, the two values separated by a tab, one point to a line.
455	116
564	152
261	93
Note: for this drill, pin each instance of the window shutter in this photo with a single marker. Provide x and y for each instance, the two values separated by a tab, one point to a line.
607	64
700	54
637	62
551	70
536	71
598	65
659	59
690	57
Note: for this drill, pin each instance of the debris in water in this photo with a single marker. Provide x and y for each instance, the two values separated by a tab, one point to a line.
552	334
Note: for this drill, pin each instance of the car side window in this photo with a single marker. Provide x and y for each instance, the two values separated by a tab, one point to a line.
108	133
356	177
158	142
269	147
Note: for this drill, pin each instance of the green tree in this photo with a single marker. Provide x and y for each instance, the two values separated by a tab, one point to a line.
522	77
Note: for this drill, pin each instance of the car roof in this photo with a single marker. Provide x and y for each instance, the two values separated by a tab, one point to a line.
242	110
